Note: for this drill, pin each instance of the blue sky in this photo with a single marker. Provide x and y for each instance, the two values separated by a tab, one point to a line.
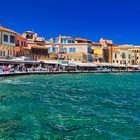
118	20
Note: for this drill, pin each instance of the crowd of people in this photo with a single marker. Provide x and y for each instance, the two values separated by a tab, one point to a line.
29	68
19	68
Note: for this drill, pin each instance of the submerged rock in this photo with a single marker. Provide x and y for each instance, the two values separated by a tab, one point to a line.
3	98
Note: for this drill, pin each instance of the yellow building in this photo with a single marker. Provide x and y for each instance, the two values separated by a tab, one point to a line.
97	50
122	55
7	42
135	55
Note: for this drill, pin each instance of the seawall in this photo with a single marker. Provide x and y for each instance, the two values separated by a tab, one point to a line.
64	72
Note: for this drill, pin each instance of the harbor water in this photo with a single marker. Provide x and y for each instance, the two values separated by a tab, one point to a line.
70	107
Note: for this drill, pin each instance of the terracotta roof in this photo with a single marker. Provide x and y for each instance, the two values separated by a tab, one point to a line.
82	39
38	47
26	48
96	44
7	30
20	36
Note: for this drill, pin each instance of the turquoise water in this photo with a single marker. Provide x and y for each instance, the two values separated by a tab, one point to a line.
70	107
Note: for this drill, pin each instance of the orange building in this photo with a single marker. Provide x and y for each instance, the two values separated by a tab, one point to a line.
21	43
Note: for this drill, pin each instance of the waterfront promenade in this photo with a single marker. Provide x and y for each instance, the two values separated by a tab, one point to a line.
19	68
9	74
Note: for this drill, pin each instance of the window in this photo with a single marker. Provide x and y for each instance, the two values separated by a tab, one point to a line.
124	62
55	50
12	39
0	52
123	55
5	38
89	49
72	49
18	43
49	49
117	61
8	52
113	61
64	49
70	41
115	55
3	53
29	36
133	62
24	44
64	41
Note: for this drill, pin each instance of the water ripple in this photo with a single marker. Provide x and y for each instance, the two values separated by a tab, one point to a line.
83	106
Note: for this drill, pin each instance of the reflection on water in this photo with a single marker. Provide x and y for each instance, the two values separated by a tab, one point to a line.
83	106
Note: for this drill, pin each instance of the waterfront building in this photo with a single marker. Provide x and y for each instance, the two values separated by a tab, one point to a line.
106	42
33	38
107	46
25	51
97	50
121	55
77	52
66	48
35	46
7	42
21	43
109	52
38	52
54	50
30	36
135	55
64	40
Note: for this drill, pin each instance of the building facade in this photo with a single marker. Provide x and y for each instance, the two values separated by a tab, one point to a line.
122	57
21	43
97	50
37	52
33	38
67	48
65	40
7	42
135	55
